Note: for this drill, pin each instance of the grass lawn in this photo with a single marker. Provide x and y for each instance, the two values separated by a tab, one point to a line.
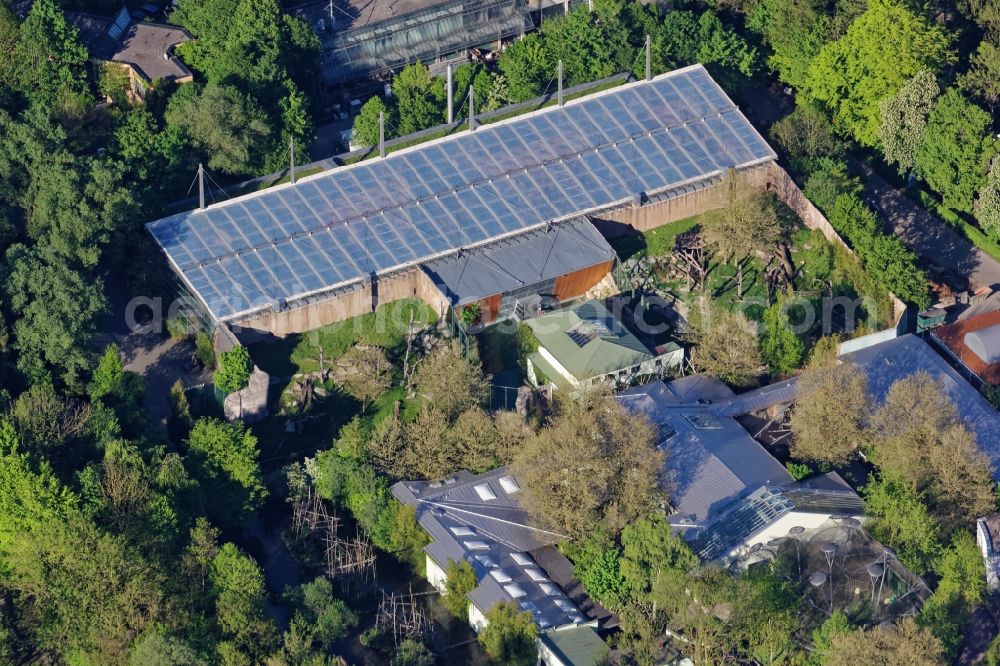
386	327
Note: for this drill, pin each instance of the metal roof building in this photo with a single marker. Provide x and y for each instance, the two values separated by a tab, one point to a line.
727	490
282	247
477	519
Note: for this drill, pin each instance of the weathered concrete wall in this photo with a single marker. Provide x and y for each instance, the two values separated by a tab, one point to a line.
250	403
406	284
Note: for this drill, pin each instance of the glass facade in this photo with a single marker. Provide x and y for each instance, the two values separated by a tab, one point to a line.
426	35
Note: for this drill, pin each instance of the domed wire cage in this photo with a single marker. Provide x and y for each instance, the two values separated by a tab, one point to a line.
839	566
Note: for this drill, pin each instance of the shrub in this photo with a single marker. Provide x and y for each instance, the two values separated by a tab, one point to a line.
234	370
204	351
471	314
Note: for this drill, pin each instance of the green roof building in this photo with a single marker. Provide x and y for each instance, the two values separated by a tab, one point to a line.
572	646
587	344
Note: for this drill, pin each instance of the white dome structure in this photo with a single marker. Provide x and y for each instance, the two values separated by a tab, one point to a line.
985	343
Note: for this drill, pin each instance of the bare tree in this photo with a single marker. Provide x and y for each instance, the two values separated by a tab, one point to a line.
831	408
593	463
748	223
367	373
725	345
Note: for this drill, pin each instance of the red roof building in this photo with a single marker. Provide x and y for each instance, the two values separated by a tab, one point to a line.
975	342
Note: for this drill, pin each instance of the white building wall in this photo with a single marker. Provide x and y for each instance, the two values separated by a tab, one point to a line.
990	557
477	619
558	367
436	576
779	528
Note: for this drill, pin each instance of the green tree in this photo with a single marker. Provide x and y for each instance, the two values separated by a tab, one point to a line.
597	564
806	137
450	381
982	80
955	154
109	375
904	119
795	30
592	44
902	644
649	547
687	38
234	370
883	49
368	373
746	224
412	652
828	180
726	346
509	637
823	635
988	204
901	520
418	101
460	580
366	127
58	310
228	126
780	347
328	619
50	62
159	648
237	586
527	66
225	460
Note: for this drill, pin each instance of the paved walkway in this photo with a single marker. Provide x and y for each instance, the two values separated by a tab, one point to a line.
945	252
159	359
947	255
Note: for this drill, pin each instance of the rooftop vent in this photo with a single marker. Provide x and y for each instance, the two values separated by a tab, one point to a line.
535	574
487	561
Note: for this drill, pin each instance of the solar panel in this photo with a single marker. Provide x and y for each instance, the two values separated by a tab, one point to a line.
338	227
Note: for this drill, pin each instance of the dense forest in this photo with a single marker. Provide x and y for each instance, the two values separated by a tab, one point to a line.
124	542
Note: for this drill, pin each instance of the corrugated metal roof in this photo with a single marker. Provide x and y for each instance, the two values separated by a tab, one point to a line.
347	224
519	261
892	360
491	532
707	467
608	345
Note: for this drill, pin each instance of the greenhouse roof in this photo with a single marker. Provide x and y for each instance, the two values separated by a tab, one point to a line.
345	225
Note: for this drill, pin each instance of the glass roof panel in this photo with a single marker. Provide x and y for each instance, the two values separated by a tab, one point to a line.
382	214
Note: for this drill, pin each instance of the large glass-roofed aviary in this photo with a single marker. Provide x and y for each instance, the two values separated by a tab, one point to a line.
345	225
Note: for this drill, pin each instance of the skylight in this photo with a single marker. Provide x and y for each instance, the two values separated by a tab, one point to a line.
549	589
522	559
461	530
535	574
476	545
485	492
515	590
509	485
487	561
500	576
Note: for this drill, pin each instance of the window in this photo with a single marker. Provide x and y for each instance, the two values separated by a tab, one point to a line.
500	577
515	590
535	574
476	545
522	559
